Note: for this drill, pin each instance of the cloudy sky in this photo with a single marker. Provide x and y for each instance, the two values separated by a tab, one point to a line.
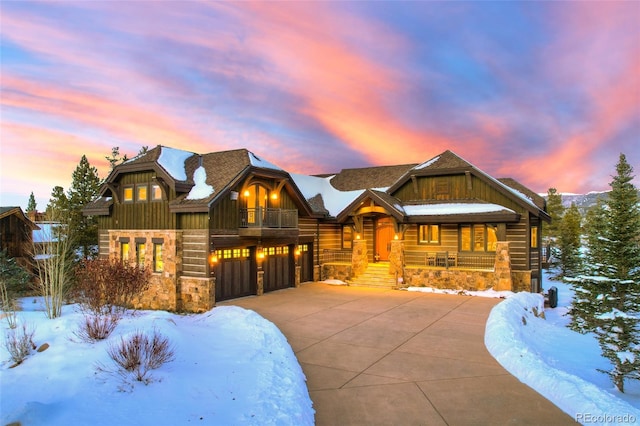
545	92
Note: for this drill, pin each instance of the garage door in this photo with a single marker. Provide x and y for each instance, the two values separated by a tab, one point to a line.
234	277
278	268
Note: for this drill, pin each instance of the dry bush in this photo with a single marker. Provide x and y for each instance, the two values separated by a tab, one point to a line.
108	286
135	356
96	327
19	343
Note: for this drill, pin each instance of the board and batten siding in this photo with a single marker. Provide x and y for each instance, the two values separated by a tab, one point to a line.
141	214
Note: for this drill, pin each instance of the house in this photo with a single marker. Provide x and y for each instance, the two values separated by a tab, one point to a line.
229	224
15	235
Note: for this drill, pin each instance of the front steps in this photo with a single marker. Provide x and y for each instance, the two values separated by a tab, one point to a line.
377	275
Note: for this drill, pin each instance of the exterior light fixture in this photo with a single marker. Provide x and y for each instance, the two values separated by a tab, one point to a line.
395	236
357	236
297	252
246	193
274	196
260	253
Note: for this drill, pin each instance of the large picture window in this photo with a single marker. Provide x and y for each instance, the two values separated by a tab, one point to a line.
477	238
429	234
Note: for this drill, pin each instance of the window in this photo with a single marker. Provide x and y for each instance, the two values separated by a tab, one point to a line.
534	237
124	249
158	263
141	193
429	234
128	194
347	237
156	192
140	253
478	238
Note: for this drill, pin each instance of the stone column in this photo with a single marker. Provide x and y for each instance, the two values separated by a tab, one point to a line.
297	276
359	257
396	261
260	283
502	267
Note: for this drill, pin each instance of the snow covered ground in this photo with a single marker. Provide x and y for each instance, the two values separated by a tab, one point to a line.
557	362
231	367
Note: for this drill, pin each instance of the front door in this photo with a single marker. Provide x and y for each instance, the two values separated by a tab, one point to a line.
384	235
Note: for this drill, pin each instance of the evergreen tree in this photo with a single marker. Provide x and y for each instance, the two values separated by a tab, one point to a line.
556	211
607	297
569	242
84	188
31	206
58	203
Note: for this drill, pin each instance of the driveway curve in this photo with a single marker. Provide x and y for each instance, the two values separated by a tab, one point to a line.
387	357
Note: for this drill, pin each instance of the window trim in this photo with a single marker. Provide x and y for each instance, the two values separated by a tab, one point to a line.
153	186
472	227
429	241
124	194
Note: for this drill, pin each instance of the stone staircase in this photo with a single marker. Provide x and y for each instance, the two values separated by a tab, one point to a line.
376	275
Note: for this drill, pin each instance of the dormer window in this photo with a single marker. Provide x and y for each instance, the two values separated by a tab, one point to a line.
156	192
127	195
141	192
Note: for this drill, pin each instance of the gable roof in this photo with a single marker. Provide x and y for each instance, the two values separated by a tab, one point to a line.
369	177
450	163
17	211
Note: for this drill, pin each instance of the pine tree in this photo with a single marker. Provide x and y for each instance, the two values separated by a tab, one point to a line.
31	205
556	211
607	297
115	158
58	203
569	242
84	188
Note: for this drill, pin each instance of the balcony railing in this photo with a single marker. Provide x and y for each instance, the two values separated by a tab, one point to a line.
268	218
341	256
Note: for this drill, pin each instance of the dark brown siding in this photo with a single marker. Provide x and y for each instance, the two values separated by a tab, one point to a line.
145	214
226	214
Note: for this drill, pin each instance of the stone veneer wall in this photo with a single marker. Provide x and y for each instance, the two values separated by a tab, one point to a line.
455	279
196	294
162	292
336	271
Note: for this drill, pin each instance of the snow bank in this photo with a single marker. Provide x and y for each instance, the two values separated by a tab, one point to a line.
231	367
544	356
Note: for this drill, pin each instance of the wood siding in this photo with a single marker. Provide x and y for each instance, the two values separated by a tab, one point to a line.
141	214
453	187
195	253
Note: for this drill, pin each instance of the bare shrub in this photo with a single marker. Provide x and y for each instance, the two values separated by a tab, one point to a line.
108	286
96	327
135	356
19	343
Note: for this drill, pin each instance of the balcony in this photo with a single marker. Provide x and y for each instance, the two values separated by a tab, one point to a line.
264	222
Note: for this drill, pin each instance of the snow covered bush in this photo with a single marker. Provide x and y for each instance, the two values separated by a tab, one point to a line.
19	343
96	327
135	356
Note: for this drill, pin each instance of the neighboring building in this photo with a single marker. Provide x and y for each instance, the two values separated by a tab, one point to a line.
230	224
15	235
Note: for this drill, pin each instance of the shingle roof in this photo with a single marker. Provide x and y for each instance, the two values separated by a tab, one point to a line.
369	177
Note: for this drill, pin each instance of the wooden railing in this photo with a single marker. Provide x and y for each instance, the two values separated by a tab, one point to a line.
449	259
268	218
341	256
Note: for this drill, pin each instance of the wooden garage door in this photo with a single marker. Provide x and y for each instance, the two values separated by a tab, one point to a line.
235	276
306	262
278	268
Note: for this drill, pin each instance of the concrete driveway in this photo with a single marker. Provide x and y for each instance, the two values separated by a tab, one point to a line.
388	357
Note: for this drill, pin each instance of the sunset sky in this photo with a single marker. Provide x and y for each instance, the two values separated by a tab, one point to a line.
547	93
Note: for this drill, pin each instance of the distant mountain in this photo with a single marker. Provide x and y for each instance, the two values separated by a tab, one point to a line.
582	201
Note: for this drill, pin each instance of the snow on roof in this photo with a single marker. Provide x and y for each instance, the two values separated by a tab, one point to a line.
426	163
201	188
172	160
452	208
259	162
46	233
334	200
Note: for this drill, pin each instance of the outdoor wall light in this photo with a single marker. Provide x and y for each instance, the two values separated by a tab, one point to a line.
213	258
260	254
357	236
297	252
247	193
